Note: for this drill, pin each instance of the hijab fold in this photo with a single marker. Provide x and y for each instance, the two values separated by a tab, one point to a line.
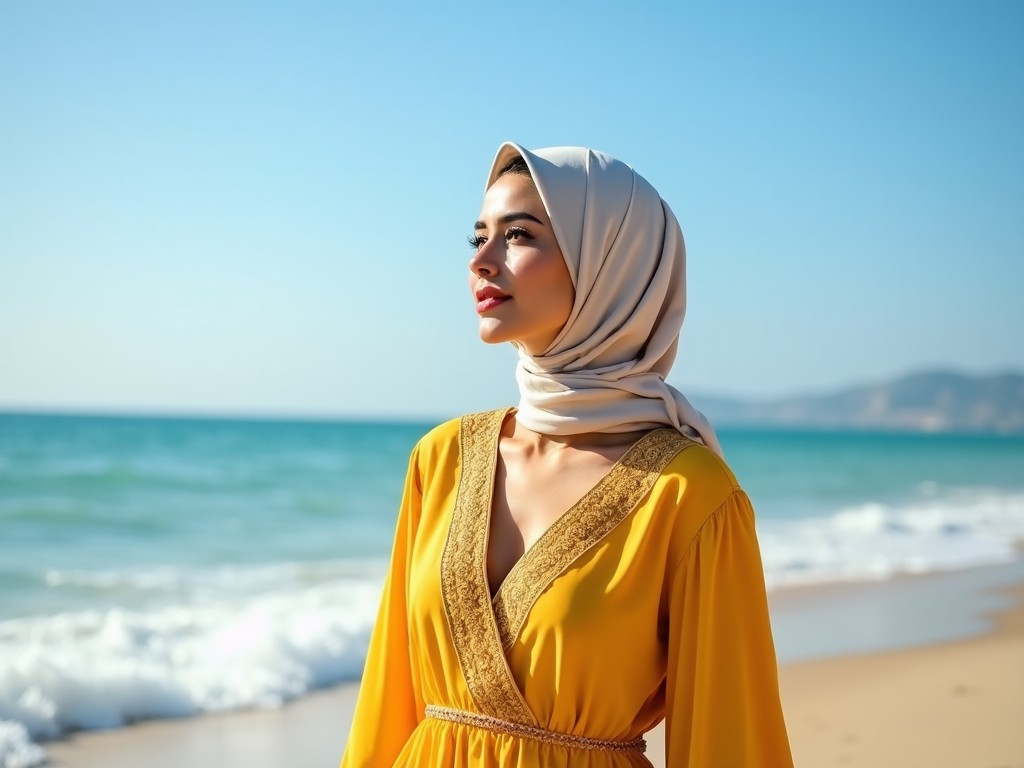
606	369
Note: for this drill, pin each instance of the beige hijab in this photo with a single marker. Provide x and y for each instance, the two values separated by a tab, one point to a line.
606	369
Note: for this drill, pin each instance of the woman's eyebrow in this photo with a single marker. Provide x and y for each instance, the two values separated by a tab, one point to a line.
509	217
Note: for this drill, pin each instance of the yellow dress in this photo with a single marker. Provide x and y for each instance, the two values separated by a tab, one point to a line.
644	601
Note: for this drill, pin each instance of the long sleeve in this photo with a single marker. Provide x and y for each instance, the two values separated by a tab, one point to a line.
387	707
722	695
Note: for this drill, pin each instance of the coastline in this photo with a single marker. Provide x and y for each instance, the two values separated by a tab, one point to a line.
949	702
949	705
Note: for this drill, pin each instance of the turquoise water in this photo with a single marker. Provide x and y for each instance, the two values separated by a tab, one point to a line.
108	494
800	474
154	567
130	496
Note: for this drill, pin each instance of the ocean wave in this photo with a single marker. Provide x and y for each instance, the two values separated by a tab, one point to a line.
16	748
960	528
193	583
104	669
229	637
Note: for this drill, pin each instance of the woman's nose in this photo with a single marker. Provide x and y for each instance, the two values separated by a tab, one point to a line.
483	262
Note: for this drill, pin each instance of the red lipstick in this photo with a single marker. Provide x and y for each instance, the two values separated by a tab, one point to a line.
488	297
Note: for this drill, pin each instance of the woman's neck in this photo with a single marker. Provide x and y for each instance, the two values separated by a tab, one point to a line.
540	444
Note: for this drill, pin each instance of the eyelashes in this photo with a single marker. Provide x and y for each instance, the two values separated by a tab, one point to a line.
511	234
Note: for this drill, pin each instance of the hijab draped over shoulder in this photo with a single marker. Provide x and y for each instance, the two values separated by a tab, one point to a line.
606	369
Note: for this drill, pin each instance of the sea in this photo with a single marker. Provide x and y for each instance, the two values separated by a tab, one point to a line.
172	567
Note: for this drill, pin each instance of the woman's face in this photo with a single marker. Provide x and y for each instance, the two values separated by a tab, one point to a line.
517	275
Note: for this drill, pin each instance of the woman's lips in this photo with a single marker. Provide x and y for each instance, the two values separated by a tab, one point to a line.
488	297
489	303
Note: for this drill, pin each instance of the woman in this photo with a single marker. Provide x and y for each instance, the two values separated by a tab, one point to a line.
567	573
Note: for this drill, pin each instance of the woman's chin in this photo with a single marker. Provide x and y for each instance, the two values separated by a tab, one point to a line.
493	333
493	338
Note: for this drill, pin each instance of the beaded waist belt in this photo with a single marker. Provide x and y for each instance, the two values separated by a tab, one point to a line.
532	732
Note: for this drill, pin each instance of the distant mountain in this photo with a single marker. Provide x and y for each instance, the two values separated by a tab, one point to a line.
934	401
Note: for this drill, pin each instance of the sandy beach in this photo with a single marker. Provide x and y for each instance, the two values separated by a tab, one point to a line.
955	704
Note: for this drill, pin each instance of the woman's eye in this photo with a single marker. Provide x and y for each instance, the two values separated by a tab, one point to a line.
475	241
517	233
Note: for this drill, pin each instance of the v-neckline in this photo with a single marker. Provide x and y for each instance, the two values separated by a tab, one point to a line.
557	524
483	628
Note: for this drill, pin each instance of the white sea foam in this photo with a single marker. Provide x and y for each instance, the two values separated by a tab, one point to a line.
16	748
103	669
957	529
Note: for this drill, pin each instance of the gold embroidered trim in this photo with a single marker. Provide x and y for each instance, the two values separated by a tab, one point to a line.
587	522
464	586
495	725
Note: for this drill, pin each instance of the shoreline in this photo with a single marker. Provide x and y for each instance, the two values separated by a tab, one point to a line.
950	702
947	705
900	612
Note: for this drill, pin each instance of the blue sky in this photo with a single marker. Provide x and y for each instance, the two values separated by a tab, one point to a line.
261	208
